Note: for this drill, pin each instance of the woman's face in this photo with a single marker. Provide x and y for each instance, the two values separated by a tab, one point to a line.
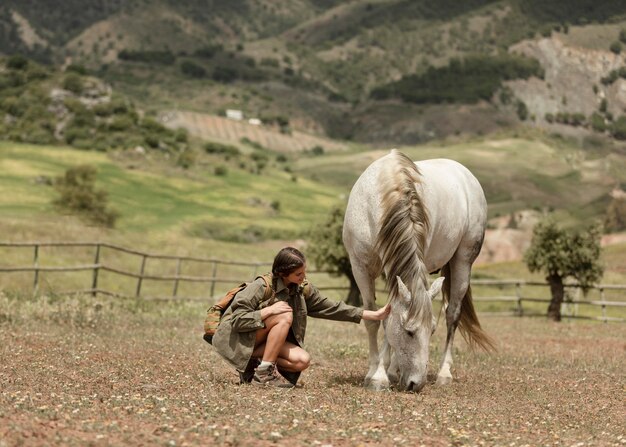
295	277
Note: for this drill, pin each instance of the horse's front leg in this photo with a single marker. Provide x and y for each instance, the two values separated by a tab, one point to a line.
376	378
459	284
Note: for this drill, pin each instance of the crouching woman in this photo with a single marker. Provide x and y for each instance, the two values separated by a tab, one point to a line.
262	338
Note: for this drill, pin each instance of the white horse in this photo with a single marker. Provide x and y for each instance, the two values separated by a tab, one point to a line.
406	220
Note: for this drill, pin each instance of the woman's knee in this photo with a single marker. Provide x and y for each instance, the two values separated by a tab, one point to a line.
303	360
285	318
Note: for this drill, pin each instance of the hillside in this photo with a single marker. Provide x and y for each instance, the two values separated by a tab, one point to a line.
316	62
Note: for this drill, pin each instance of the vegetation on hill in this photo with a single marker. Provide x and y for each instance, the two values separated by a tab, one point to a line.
461	81
45	106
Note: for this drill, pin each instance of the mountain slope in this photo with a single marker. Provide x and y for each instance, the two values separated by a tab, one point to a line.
316	61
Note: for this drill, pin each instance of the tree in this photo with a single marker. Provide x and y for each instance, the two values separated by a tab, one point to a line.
561	253
79	195
327	251
615	219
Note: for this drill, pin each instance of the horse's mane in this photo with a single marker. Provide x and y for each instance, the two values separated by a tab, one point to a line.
403	229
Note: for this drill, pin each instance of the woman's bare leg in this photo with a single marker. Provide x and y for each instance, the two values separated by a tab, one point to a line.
272	345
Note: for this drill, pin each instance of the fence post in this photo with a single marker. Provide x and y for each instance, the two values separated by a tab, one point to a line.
213	278
143	268
518	294
603	305
36	264
94	281
178	269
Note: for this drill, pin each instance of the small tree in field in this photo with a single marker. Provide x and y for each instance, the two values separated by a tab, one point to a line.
78	194
561	253
327	251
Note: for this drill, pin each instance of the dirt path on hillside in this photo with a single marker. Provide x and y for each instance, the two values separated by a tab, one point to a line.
211	127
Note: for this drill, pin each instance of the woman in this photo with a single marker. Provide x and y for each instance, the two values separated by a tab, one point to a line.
259	337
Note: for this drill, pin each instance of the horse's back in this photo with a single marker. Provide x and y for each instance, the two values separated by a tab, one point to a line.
457	209
453	198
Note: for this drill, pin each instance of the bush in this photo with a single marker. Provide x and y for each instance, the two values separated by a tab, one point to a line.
618	128
17	62
597	122
317	150
615	219
522	110
616	47
462	81
159	57
221	171
225	74
186	159
73	83
79	195
192	70
218	148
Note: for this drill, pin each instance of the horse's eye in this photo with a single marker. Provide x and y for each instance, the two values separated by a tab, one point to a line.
410	333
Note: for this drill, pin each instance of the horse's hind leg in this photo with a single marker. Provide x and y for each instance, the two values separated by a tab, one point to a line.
457	283
376	377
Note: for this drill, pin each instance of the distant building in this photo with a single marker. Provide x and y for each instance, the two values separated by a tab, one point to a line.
233	114
255	121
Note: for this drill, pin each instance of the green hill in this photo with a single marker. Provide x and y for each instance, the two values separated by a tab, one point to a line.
316	62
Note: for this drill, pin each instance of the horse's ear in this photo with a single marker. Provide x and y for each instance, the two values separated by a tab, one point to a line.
402	290
435	287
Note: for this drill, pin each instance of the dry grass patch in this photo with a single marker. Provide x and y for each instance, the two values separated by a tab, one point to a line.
139	374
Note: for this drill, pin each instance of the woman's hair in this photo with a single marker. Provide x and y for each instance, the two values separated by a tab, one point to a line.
287	260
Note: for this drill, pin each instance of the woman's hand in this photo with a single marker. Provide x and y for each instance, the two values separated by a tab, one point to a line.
377	315
279	307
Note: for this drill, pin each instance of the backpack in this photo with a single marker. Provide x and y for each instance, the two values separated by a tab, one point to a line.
215	312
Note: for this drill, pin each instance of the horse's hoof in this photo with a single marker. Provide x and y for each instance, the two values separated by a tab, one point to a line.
377	386
443	380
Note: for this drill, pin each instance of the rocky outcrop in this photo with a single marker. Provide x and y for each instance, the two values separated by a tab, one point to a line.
572	82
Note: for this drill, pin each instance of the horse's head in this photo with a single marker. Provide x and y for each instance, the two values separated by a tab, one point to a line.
408	331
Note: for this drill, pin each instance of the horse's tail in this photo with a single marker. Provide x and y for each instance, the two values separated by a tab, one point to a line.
469	325
403	224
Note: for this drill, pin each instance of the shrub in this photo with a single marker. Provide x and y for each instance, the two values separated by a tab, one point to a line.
225	74
159	57
464	81
317	150
79	195
186	159
221	171
522	110
597	122
218	148
618	128
73	83
209	51
121	123
616	47
615	219
17	62
192	70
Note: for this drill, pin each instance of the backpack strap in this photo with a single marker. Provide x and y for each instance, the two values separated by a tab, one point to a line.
269	290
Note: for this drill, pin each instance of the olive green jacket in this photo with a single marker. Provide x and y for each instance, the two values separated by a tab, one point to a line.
235	336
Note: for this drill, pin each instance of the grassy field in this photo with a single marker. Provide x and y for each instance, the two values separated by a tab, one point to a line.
84	372
168	210
163	199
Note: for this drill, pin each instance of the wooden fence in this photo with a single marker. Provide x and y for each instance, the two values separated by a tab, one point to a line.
516	297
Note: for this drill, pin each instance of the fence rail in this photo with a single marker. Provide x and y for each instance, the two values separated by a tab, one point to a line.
141	275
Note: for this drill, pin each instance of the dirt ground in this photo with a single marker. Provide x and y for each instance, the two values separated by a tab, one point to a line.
143	376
